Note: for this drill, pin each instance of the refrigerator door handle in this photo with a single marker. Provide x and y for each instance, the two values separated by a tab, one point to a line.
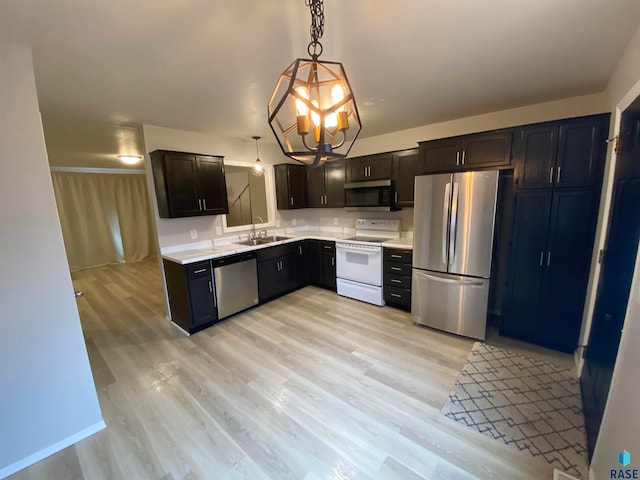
445	220
454	223
448	280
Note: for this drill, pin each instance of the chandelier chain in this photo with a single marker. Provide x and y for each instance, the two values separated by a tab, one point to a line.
317	26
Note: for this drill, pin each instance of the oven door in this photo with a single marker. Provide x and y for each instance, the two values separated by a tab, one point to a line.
359	263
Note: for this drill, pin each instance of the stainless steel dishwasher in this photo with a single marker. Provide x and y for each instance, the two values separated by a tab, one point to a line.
236	279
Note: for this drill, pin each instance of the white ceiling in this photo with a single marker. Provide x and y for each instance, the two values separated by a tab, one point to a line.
210	66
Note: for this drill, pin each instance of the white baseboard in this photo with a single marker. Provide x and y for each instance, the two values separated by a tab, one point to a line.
50	450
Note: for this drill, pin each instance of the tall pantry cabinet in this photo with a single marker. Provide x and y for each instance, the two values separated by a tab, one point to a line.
558	177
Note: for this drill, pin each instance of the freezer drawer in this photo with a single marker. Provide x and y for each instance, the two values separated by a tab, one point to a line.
450	302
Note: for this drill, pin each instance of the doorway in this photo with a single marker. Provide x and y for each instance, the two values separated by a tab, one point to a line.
621	247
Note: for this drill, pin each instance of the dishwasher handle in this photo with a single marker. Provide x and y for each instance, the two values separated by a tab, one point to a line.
220	262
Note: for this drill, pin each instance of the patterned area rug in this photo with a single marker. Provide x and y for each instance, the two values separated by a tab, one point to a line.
527	403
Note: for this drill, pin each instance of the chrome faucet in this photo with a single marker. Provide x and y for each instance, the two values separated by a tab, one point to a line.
252	235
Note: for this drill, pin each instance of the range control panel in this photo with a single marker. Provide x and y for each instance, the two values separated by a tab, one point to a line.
382	225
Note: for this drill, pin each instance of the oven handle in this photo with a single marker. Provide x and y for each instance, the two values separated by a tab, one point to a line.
359	250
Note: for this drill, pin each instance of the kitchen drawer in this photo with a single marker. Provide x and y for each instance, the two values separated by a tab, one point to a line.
271	253
398	256
397	280
400	297
398	268
198	270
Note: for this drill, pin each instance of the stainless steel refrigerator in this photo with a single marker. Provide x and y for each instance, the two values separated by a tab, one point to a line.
453	221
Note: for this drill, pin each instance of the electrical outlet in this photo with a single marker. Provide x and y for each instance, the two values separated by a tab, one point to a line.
335	220
194	233
294	221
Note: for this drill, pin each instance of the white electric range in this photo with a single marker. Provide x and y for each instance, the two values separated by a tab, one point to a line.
359	260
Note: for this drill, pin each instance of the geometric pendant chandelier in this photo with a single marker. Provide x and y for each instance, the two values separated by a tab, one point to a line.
312	111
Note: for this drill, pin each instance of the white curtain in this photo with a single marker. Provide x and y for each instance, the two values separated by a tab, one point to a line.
105	218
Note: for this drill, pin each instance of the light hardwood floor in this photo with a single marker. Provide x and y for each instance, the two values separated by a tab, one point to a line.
309	386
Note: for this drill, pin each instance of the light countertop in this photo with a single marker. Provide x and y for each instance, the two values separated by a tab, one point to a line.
206	253
406	243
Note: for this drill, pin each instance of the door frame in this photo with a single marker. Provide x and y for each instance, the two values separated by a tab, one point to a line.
604	218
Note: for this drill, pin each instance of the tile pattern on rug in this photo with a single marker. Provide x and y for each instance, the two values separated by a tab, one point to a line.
531	404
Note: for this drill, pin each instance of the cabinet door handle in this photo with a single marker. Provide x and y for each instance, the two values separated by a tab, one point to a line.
397	269
551	175
464	154
333	261
325	199
204	203
541	258
393	255
200	271
327	247
396	295
365	171
199	204
393	280
300	249
210	287
292	201
548	259
558	177
396	197
457	158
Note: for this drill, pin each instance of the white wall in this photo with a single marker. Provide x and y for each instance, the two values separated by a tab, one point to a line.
47	395
621	422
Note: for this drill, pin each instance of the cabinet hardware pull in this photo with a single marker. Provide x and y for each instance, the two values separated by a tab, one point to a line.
300	249
464	154
541	258
393	280
558	178
457	158
365	171
396	295
551	175
292	201
200	271
333	261
396	256
396	197
397	269
325	200
199	204
327	247
210	287
204	203
548	258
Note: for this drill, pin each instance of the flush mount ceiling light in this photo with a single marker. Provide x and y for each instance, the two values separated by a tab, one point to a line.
130	159
312	110
258	169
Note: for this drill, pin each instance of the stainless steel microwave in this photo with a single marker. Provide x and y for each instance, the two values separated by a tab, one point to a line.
375	195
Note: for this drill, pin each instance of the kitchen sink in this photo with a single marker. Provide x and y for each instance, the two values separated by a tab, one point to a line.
263	241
